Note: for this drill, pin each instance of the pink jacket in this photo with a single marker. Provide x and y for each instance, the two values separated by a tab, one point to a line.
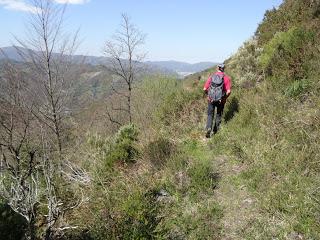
227	83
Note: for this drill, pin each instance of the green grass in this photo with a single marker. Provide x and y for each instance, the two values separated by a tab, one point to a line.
278	145
267	148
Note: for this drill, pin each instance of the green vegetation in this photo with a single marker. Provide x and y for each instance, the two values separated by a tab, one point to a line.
275	135
165	191
257	178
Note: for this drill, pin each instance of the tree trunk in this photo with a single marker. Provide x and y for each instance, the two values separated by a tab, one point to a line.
129	105
31	233
48	234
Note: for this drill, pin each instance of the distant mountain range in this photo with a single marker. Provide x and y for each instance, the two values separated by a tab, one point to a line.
169	67
183	68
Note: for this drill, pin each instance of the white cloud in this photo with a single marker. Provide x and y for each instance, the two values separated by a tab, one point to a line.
72	1
21	5
18	5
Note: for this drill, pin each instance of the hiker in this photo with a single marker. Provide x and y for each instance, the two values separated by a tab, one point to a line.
218	89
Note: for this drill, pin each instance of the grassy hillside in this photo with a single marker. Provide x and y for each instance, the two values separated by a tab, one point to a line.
257	178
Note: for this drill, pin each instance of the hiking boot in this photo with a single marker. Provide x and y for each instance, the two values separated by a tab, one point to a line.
215	130
208	133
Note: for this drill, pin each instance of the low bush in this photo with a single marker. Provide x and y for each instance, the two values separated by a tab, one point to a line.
243	66
286	55
125	147
159	151
122	148
297	88
172	106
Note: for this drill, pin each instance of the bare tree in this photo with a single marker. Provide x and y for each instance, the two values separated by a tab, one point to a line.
125	65
19	172
34	106
55	225
49	52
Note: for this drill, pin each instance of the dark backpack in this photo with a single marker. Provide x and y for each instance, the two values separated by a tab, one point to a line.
215	91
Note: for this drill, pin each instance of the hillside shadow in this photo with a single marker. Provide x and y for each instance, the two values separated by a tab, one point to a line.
233	108
316	12
12	225
215	179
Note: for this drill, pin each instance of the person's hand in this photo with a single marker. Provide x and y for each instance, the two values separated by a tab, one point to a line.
224	99
205	93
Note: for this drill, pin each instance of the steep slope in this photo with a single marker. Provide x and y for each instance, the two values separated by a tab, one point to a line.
270	137
257	178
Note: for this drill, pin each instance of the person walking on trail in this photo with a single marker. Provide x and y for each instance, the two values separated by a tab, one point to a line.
218	89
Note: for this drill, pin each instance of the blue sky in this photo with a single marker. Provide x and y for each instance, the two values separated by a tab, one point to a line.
183	30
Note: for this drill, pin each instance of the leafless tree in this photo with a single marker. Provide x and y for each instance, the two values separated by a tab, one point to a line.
19	172
56	208
123	52
34	107
27	172
49	53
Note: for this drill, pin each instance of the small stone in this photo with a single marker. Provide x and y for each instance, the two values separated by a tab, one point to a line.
295	236
248	201
163	193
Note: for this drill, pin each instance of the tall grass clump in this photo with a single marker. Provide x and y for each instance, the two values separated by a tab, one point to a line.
159	151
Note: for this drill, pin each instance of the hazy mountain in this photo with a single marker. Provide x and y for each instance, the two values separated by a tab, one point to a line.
94	79
182	67
167	67
13	54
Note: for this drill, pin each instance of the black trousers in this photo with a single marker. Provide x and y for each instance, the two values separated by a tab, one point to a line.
211	112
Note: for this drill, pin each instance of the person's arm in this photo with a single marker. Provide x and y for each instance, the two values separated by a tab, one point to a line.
227	84
227	88
207	84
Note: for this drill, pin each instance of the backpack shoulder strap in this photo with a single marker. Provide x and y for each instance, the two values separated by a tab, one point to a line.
211	77
222	77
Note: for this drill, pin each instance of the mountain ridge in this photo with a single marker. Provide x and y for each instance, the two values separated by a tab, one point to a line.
177	67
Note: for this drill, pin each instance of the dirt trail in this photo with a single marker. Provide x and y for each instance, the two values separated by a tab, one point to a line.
239	207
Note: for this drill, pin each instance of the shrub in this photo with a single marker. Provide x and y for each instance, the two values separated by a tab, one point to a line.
140	216
202	176
127	210
286	55
173	104
149	96
122	148
159	151
290	13
243	65
232	108
297	88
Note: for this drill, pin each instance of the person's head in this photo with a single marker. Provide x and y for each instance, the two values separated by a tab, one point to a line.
221	67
